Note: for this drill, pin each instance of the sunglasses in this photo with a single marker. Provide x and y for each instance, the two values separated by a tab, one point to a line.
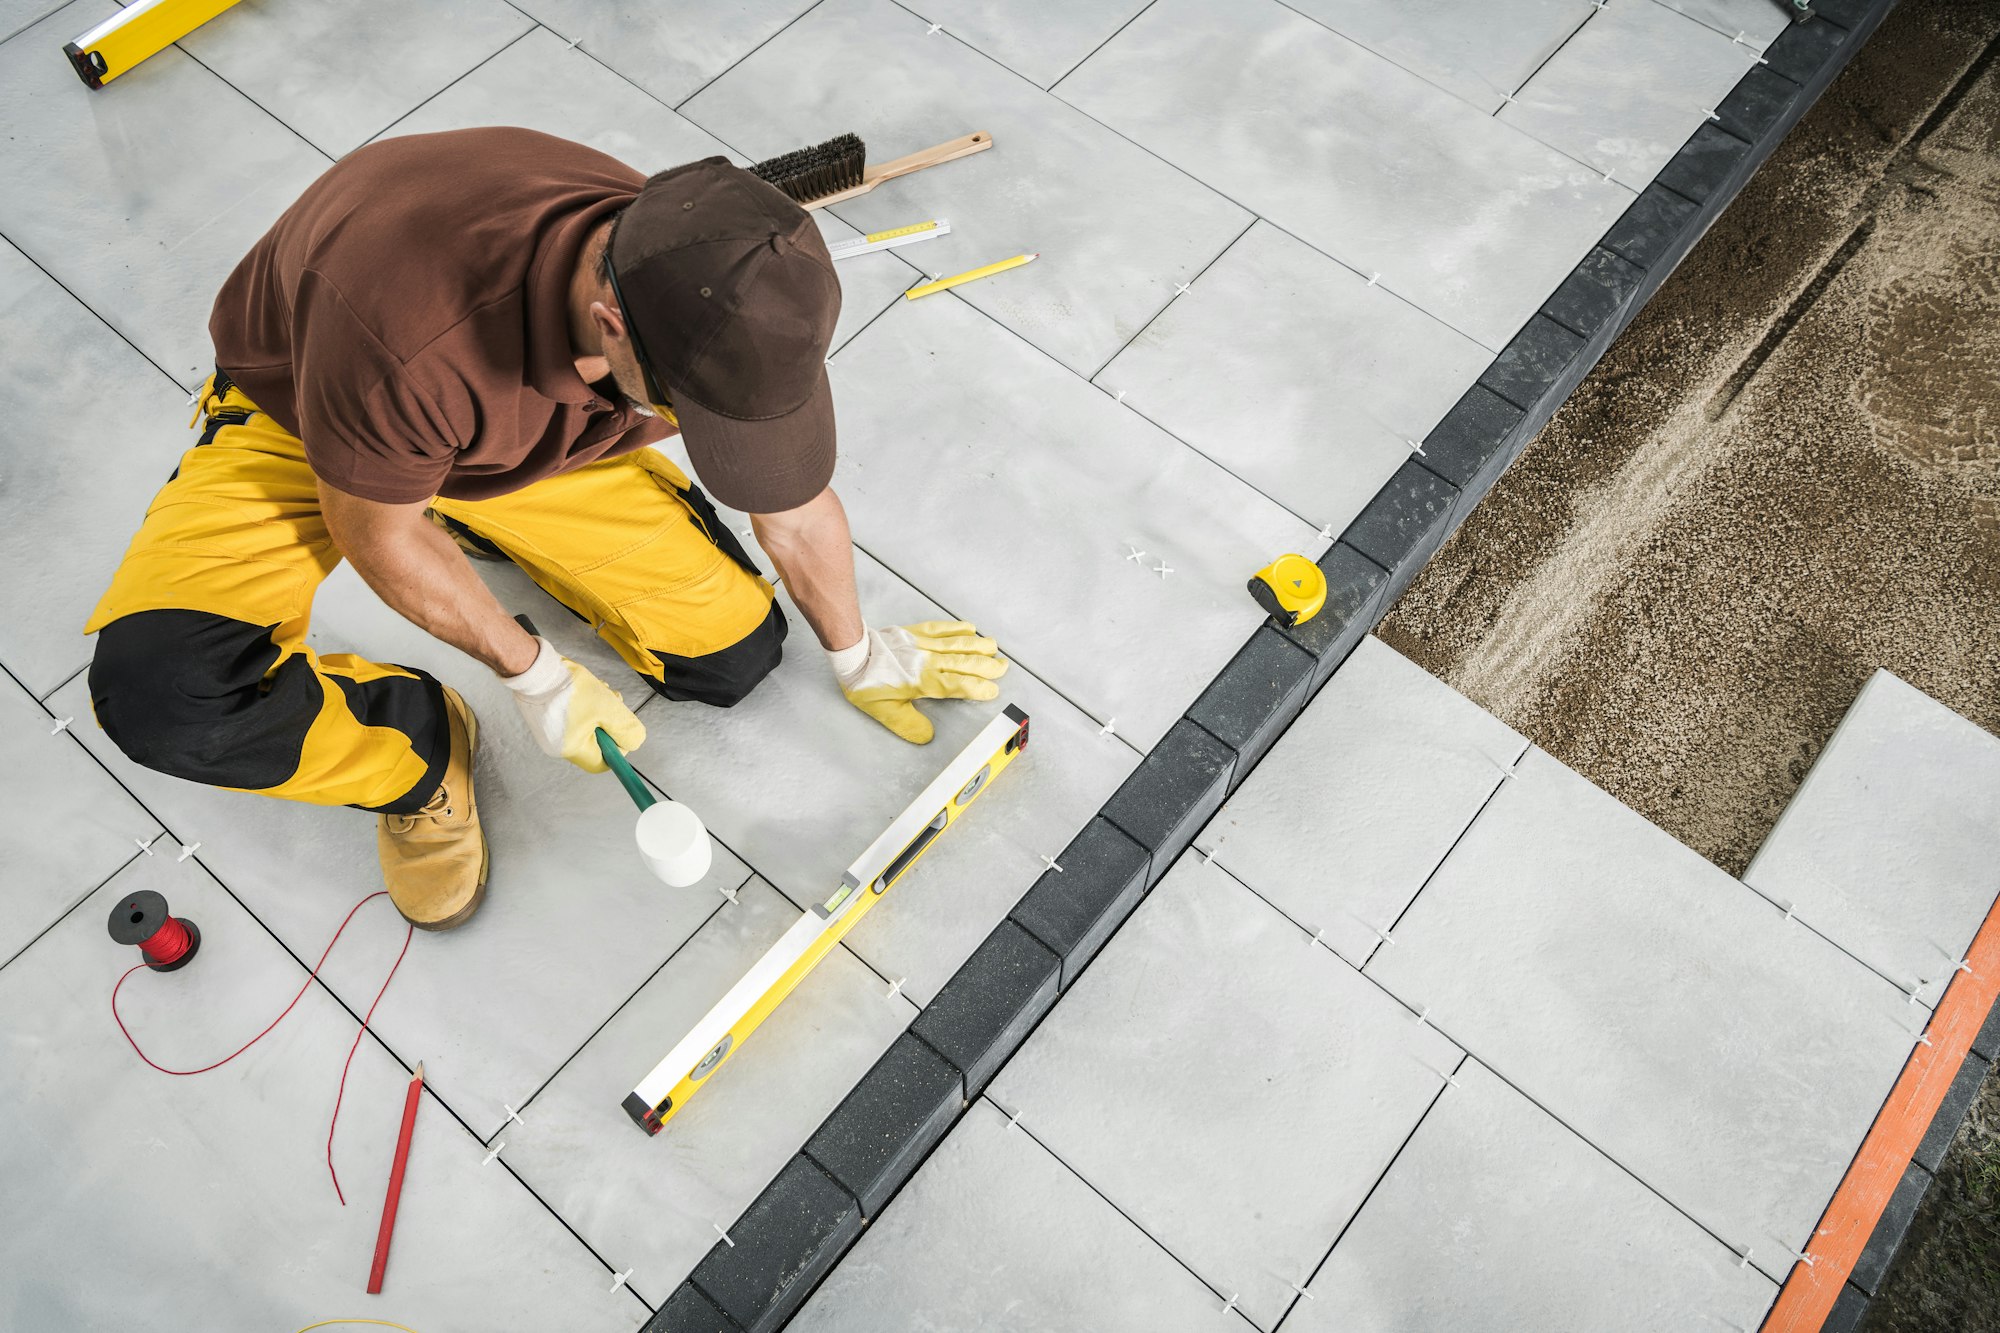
661	401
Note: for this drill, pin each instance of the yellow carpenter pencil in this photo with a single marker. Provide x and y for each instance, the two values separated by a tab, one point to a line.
943	284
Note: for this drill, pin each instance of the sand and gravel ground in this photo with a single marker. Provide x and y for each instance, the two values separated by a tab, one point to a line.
1784	475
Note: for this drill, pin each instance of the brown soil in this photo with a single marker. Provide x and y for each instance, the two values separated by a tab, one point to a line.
1784	475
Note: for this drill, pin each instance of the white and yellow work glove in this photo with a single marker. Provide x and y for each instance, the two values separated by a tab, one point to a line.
939	659
564	705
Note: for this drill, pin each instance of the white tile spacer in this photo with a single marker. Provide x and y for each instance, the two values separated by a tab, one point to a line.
1964	965
1319	938
1416	447
1744	1262
1163	569
1710	114
896	987
621	1279
1302	1291
1805	1258
1608	180
1737	40
1923	1039
495	1153
724	1234
1119	397
1053	864
146	845
194	397
1916	986
1374	278
1327	534
728	891
1182	288
189	850
513	1115
1789	909
1507	97
1508	770
1424	1017
1110	727
1133	552
1450	1077
1013	1119
934	30
1230	1304
62	725
1207	855
573	42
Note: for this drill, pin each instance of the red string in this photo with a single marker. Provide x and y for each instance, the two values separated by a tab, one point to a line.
338	1096
167	944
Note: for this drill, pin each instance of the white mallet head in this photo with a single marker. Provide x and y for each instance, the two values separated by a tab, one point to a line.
673	843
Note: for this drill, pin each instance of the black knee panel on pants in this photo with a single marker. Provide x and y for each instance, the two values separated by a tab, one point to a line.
725	678
184	692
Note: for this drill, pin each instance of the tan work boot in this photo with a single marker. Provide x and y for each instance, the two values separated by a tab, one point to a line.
434	861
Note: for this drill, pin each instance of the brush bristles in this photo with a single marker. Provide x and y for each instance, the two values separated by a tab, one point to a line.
813	173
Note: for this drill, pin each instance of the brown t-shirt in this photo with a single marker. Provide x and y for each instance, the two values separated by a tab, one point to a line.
408	316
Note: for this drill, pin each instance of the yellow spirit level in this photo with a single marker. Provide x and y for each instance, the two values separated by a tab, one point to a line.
785	964
135	32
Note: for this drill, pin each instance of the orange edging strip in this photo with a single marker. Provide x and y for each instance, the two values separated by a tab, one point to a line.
1811	1289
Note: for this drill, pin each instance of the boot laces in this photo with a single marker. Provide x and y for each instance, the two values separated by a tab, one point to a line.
437	807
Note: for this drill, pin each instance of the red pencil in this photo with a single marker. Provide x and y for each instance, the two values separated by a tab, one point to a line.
395	1182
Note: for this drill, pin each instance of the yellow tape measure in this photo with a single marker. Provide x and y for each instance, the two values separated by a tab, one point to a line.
1292	588
874	237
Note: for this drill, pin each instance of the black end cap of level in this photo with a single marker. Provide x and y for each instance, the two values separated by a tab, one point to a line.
1075	910
786	1241
644	1116
991	1003
1249	705
1172	793
688	1311
1530	367
886	1124
1894	1224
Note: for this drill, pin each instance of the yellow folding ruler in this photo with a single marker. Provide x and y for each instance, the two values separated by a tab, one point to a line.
139	30
890	239
785	964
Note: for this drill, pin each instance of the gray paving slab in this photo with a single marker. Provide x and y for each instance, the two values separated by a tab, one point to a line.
1116	227
1756	22
68	826
1232	1087
543	83
1293	373
338	74
1042	1250
1729	1058
1497	1217
1014	493
1359	802
1041	40
16	15
573	922
134	1199
670	48
652	1202
1479	52
1626	92
1469	219
800	782
96	431
1887	846
135	205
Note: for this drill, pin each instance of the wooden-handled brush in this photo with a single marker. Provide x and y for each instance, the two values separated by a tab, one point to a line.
838	169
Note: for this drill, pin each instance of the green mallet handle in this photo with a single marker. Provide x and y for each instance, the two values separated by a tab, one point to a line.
635	786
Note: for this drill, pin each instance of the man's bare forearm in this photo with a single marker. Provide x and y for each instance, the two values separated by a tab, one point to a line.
814	552
418	571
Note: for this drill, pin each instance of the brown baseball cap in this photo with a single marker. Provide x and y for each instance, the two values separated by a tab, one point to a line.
731	298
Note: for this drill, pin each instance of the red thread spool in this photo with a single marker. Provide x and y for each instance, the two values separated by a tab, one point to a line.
165	941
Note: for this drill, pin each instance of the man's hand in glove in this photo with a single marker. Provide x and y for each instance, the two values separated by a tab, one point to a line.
939	659
564	705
